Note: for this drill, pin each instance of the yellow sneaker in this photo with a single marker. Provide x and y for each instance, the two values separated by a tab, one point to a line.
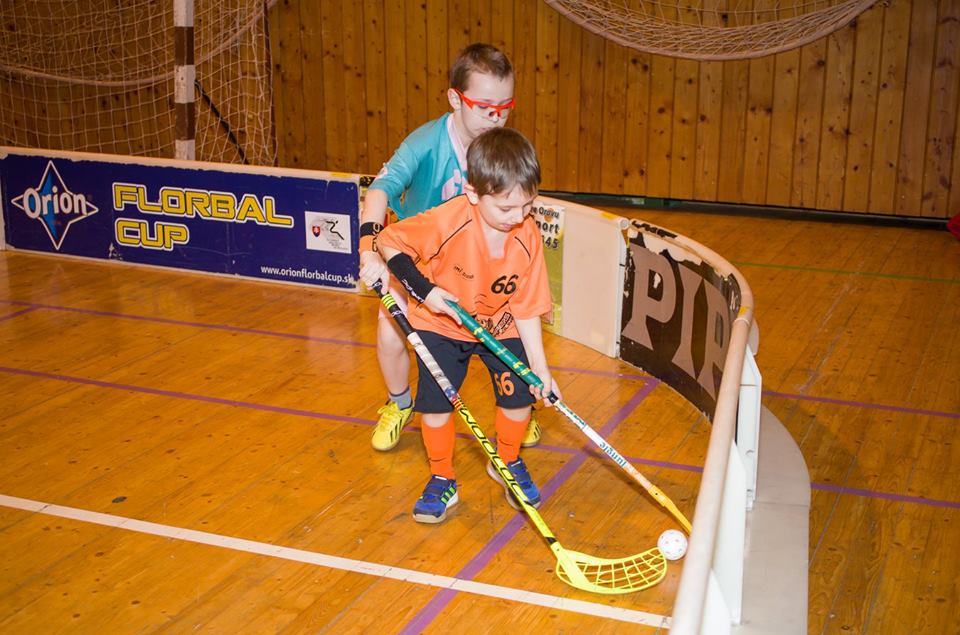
386	434
532	437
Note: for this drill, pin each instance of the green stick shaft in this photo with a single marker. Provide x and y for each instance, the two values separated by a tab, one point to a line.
524	372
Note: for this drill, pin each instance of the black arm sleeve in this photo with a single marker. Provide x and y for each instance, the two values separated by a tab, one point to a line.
416	284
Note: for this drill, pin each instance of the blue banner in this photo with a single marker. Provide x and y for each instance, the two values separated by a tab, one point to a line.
255	222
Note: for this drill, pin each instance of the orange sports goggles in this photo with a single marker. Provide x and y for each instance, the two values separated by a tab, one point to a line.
488	109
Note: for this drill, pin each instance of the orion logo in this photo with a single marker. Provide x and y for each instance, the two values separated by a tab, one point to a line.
54	205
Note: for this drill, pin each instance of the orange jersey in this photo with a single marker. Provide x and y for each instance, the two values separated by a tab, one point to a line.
449	248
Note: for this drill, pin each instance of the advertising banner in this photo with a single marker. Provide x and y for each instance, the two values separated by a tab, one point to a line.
678	313
290	225
549	219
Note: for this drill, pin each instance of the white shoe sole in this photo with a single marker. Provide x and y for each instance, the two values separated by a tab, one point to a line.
433	520
495	475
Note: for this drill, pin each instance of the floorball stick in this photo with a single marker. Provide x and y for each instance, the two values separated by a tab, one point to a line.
528	376
589	573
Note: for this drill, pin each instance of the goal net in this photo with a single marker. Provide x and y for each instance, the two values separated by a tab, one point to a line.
98	76
712	29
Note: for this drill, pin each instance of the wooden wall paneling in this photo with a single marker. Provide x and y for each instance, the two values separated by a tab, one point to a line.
85	109
286	25
26	118
568	106
637	133
524	47
660	142
111	137
23	114
954	202
811	127
757	135
352	116
438	62
479	21
890	100
836	119
255	136
74	102
396	69
863	111
415	18
375	85
13	108
334	104
591	113
28	113
458	27
510	21
148	134
546	126
757	116
612	168
941	127
807	133
736	81
156	131
916	107
151	110
786	80
759	119
237	98
683	142
502	20
709	117
132	127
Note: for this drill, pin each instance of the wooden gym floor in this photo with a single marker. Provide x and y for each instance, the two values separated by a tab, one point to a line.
191	453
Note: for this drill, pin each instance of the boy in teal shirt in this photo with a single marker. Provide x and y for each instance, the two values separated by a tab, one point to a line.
428	168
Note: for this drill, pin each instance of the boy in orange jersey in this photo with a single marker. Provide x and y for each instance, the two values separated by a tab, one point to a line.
484	251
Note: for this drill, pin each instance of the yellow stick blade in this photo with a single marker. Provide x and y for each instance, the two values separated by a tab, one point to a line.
611	576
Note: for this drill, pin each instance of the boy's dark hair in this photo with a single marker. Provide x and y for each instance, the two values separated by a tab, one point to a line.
500	159
478	58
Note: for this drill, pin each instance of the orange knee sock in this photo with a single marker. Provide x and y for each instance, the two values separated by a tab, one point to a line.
509	435
439	444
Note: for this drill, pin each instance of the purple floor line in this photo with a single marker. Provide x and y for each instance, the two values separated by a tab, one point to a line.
32	306
862	404
441	599
185	395
238	329
202	325
17	314
869	493
584	451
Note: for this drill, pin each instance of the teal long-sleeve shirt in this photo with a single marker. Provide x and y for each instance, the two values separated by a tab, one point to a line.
424	171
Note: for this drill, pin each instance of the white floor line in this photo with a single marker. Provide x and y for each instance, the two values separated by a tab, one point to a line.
335	562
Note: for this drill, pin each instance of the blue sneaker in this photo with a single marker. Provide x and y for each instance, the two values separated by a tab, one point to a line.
519	470
438	496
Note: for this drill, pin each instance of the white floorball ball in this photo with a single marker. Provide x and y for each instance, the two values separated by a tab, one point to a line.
673	544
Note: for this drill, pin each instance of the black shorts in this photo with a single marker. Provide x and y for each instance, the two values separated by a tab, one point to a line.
453	357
